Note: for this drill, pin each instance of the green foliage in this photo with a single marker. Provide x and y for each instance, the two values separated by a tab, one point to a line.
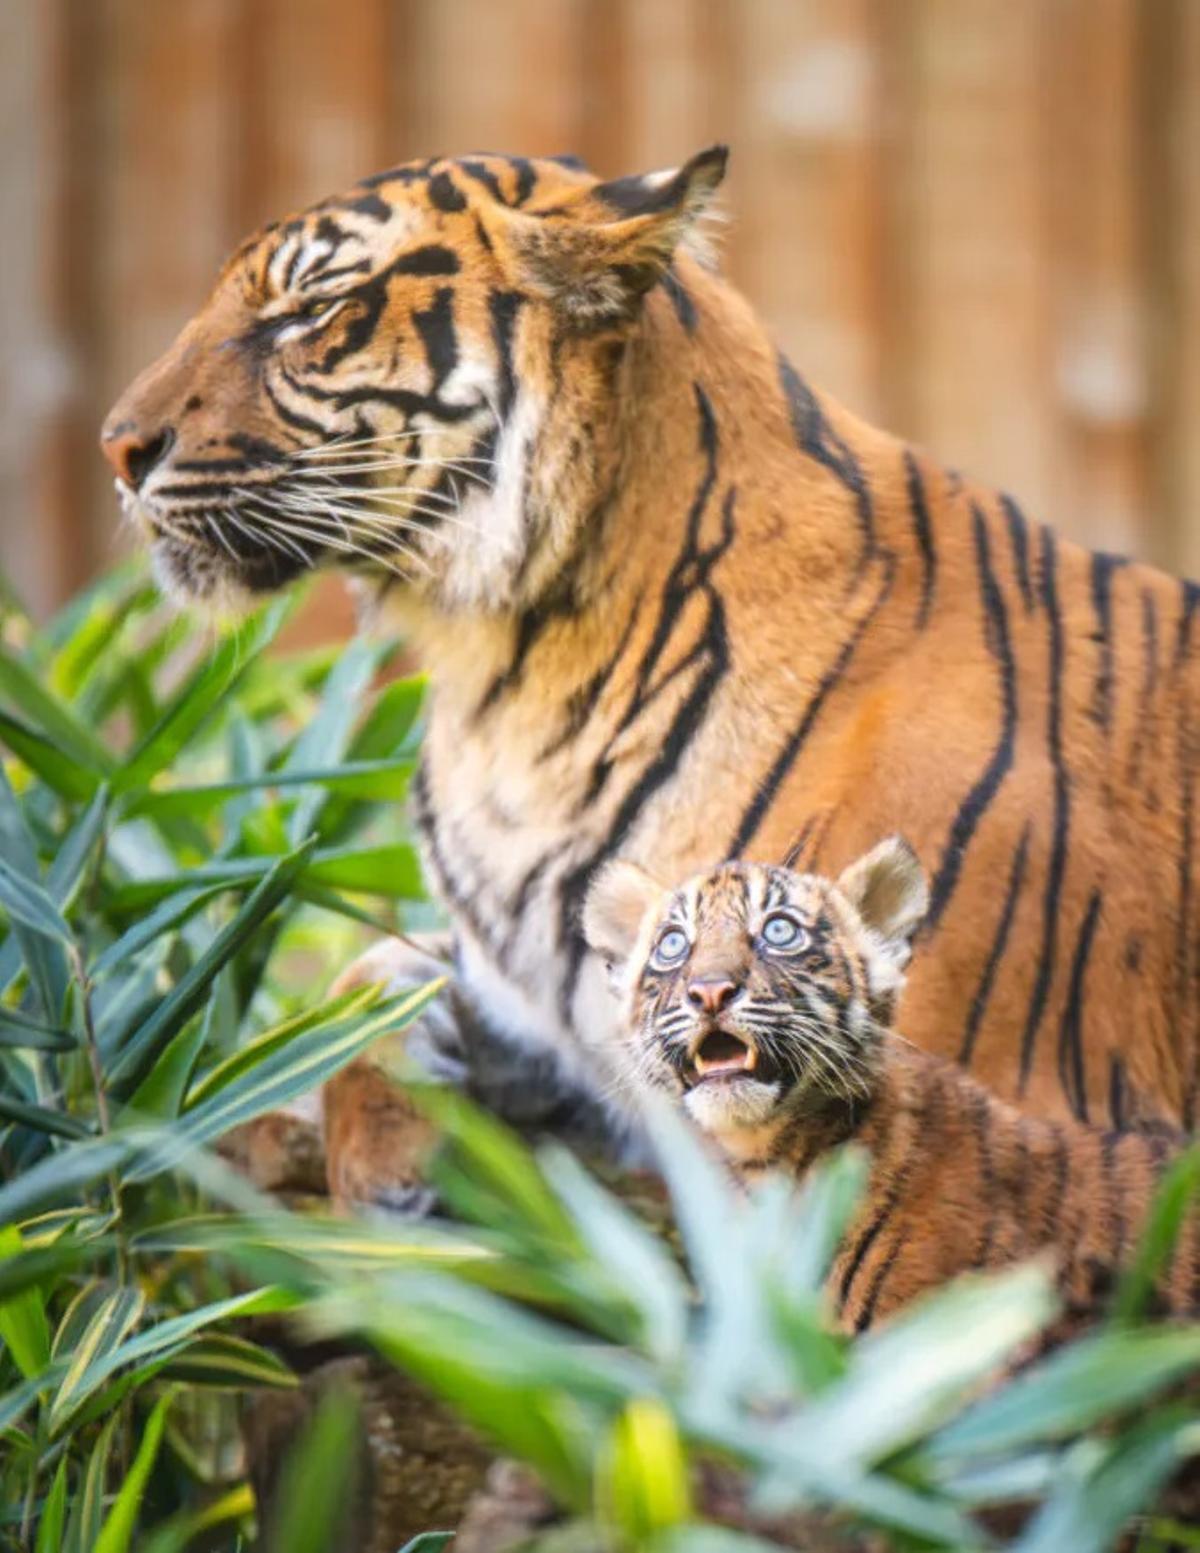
194	834
186	822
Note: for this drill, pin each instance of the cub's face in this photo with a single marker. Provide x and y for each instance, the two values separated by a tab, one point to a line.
752	990
372	381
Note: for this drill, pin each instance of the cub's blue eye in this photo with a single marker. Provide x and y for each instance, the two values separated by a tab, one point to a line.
671	947
782	931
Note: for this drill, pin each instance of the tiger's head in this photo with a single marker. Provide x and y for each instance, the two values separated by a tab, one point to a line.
415	380
753	991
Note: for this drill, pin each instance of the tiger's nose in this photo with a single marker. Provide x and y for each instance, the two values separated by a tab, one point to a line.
132	452
711	994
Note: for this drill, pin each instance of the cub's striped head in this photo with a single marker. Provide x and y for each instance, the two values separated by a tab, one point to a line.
414	379
752	990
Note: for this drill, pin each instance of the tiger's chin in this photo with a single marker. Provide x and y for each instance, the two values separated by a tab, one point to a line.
733	1102
193	575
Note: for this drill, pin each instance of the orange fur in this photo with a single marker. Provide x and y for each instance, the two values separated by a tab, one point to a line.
798	1058
679	606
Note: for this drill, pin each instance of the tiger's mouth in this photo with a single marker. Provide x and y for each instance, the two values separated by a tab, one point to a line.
724	1056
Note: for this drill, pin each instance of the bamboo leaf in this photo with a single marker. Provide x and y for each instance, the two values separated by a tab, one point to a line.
55	1124
26	901
54	1513
23	1324
200	696
374	780
46	760
116	1534
189	993
118	1312
318	1480
53	718
222	1359
173	912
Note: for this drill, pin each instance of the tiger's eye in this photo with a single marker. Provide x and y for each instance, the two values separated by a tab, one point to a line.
671	947
782	931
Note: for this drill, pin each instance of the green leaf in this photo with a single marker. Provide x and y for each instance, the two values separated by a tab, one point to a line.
221	1359
55	1124
182	1529
1100	1488
45	759
20	1029
1078	1386
429	1542
175	910
374	780
45	1263
249	1056
1172	1202
117	1313
325	736
189	993
88	1509
23	1324
392	870
52	717
26	901
160	1094
60	1175
54	1513
116	1534
317	1484
282	1076
643	1475
200	696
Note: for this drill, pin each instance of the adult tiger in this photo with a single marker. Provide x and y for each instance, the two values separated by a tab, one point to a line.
681	607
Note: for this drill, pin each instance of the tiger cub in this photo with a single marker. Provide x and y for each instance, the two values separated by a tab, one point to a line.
763	999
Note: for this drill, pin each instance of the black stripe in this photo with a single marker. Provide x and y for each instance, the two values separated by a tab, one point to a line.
584	701
977	802
1103	567
867	1314
293	418
1117	1084
435	325
444	193
1190	596
817	439
1018	535
1072	1071
918	506
503	307
1148	688
765	793
987	981
691	573
1109	1147
981	1125
681	301
1062	806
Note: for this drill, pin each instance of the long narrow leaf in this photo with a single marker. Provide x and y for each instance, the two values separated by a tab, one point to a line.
189	993
116	1535
54	718
201	695
23	1324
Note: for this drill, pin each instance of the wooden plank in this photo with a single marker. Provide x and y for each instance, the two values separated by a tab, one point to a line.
1170	87
967	349
34	375
807	178
1097	221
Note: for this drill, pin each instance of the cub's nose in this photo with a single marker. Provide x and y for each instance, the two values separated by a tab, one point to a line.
711	994
133	452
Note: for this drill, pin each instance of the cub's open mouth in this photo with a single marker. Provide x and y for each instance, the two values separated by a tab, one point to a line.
722	1055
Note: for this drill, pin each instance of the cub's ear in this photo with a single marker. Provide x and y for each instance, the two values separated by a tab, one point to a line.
888	890
597	256
620	898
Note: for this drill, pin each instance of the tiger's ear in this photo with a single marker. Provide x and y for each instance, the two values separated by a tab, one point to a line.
888	890
619	899
597	257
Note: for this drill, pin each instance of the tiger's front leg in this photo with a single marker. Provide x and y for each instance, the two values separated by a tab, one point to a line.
378	1141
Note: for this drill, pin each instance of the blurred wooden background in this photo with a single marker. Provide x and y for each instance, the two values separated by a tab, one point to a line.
976	221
